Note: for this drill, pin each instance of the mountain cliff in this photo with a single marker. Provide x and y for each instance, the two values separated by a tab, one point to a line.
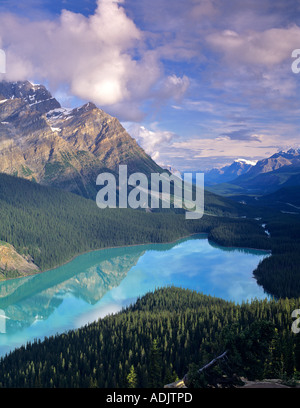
65	148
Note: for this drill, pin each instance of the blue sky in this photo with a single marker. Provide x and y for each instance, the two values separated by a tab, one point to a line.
198	83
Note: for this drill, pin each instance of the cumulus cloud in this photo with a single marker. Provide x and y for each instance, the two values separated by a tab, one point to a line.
151	140
268	48
102	57
231	59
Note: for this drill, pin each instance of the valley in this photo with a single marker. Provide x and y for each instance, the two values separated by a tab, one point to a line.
50	158
149	199
280	172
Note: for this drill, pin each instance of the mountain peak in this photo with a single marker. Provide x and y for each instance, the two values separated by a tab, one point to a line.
289	153
294	151
62	147
230	172
280	169
86	107
36	96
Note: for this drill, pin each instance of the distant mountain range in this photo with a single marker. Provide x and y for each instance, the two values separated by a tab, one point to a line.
280	170
273	182
65	148
229	172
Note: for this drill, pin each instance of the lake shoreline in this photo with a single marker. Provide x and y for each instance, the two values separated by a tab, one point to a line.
102	283
103	248
134	245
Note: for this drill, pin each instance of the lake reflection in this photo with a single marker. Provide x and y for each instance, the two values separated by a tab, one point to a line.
102	282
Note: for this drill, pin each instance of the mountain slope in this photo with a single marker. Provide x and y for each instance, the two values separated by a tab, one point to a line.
268	175
13	264
66	148
271	173
50	226
271	181
286	200
228	173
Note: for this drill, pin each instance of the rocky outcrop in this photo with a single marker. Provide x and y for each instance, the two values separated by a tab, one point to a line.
12	262
37	96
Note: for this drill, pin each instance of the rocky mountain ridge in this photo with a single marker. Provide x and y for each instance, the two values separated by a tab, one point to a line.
281	170
229	172
37	96
65	148
290	157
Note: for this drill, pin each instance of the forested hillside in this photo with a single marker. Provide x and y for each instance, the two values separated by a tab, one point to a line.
165	335
51	226
280	273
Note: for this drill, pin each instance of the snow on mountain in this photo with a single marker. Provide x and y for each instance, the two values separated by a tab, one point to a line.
250	162
230	172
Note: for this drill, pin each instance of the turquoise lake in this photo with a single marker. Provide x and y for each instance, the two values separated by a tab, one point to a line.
103	282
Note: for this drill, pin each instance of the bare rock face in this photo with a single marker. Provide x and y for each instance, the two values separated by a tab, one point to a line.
65	148
10	260
37	96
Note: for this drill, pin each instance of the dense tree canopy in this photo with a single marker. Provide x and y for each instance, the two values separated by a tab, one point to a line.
52	226
156	340
159	338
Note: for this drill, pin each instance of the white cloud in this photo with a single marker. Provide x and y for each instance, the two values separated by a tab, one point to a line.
174	87
268	48
219	149
234	60
151	140
103	58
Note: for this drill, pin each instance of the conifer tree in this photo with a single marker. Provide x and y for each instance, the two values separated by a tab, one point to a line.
132	378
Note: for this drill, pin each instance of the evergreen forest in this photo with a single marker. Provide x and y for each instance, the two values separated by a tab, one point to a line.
162	337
